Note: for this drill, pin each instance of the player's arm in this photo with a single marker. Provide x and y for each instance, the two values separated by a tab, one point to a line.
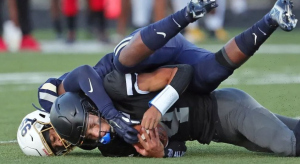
172	80
85	79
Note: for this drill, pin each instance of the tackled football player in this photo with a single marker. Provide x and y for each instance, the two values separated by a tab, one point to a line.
78	126
226	115
160	44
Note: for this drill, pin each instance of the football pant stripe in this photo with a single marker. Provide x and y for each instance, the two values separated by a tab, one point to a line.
122	44
49	86
47	96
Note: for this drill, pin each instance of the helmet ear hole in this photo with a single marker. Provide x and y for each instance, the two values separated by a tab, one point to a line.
42	115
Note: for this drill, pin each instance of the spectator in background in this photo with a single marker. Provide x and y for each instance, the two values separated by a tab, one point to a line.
96	20
56	18
70	11
19	11
122	21
3	47
214	22
141	12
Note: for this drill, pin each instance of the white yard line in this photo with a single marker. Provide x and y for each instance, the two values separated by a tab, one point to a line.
255	77
92	47
6	142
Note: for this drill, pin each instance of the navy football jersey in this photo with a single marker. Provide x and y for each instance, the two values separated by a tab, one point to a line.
190	118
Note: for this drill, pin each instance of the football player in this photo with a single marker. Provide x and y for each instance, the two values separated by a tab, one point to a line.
178	77
37	137
226	115
160	44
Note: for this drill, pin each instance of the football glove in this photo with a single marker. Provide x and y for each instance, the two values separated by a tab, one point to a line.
123	127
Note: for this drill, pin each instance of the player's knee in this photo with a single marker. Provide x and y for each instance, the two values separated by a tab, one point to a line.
85	68
283	143
121	67
271	133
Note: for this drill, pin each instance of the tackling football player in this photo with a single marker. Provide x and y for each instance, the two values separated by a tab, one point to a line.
160	43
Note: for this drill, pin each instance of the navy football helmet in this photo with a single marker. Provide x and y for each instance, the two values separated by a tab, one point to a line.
69	116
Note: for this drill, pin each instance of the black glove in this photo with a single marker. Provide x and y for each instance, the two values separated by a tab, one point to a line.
123	127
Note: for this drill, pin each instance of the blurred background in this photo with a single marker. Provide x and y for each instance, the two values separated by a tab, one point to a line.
96	25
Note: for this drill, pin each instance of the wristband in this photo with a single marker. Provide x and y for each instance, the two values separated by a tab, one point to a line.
165	99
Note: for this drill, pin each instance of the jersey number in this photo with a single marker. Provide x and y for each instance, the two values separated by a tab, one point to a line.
26	125
176	117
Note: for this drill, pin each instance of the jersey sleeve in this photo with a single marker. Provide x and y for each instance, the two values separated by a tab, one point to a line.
47	92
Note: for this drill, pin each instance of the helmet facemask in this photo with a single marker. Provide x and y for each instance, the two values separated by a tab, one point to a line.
91	109
45	135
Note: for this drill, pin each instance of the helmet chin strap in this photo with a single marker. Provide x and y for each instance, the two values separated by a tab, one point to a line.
106	138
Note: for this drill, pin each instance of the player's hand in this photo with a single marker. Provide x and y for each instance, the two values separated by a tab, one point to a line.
151	144
151	118
124	128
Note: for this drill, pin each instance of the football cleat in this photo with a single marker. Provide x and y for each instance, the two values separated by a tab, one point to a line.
198	8
282	14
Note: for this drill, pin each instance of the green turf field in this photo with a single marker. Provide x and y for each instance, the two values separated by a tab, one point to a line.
272	79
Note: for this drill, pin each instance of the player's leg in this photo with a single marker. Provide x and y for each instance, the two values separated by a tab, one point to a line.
24	18
70	10
242	47
28	42
3	47
244	122
156	35
55	16
211	70
1	17
214	22
291	123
